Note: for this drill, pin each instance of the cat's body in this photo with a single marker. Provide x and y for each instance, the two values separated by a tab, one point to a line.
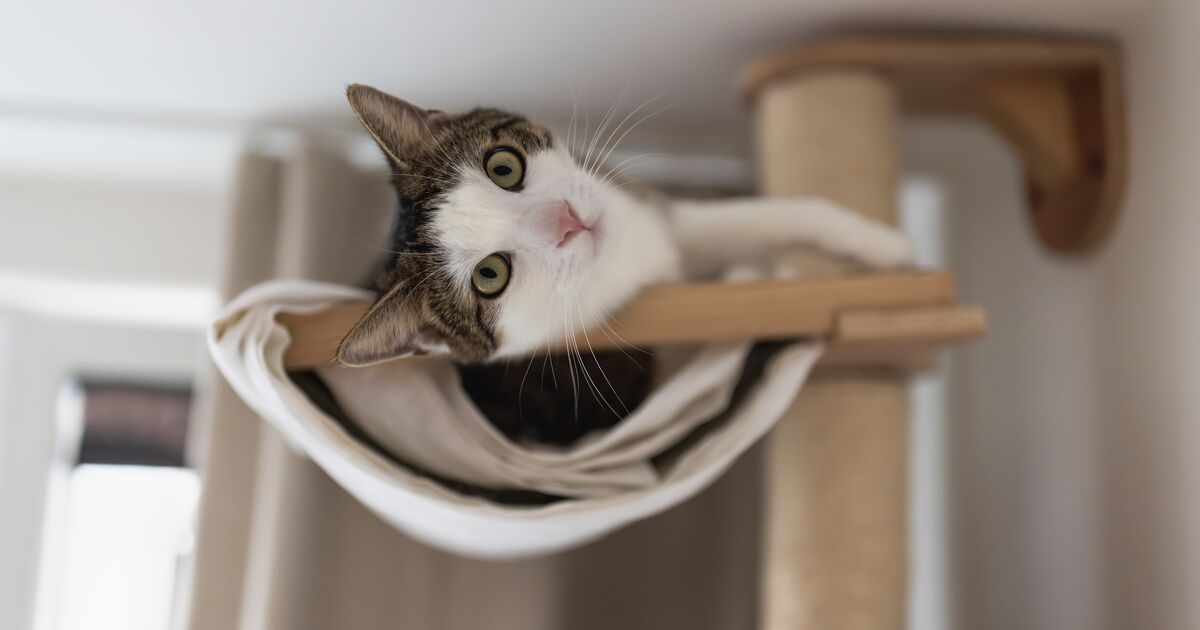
507	242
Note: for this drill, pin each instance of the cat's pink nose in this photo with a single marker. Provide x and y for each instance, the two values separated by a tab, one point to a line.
568	224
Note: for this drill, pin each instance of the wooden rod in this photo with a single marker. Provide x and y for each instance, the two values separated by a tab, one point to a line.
914	326
702	312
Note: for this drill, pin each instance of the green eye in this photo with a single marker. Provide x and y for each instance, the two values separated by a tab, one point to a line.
491	275
505	168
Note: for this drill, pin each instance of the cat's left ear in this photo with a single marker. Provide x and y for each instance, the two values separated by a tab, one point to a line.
399	127
391	329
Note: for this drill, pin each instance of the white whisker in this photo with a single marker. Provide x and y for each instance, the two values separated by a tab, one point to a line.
591	382
602	156
588	341
600	128
635	126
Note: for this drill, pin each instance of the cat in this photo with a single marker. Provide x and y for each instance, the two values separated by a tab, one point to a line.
505	242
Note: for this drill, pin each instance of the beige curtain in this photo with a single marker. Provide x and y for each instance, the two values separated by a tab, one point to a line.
281	547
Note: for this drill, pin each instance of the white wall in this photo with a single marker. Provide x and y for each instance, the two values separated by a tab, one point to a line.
1021	432
1075	482
1148	308
86	229
41	357
107	259
222	60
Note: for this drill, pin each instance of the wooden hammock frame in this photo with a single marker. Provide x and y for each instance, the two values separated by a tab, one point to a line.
895	320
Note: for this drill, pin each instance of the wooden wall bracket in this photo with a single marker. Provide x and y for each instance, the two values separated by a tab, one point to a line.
1057	100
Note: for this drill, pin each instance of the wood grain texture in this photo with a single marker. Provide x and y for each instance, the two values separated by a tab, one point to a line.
704	312
910	326
1058	100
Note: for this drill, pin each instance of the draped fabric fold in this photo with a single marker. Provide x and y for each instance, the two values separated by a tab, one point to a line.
419	412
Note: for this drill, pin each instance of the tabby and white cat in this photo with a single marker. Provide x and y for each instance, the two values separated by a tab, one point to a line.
506	242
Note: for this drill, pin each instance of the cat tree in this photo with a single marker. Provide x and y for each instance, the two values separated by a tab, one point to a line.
826	124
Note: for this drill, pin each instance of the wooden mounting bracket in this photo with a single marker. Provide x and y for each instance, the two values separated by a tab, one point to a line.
881	320
1057	100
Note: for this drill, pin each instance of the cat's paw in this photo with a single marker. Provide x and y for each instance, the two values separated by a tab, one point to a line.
882	247
865	241
743	272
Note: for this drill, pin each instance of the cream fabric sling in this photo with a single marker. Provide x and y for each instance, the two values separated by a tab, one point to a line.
418	412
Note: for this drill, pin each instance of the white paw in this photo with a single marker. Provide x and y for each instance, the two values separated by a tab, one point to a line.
785	269
743	272
863	240
882	247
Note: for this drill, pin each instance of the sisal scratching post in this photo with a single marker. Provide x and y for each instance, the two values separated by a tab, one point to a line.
835	537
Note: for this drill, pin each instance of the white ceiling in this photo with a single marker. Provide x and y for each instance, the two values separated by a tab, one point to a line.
218	61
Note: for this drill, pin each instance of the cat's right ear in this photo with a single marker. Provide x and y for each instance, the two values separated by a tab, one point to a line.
399	127
392	328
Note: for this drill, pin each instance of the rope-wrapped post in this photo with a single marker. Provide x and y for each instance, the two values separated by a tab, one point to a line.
835	540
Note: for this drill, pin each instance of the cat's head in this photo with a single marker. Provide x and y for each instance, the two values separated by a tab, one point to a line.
500	238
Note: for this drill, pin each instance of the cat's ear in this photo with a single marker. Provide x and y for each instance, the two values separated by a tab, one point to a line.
398	126
390	329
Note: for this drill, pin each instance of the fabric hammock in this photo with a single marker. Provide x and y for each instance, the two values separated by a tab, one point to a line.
421	440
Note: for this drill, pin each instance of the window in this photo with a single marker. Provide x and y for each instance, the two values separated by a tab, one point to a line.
126	510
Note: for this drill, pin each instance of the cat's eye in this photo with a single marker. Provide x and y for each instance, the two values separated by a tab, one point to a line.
505	168
491	275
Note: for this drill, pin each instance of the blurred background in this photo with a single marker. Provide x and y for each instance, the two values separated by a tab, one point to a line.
1053	483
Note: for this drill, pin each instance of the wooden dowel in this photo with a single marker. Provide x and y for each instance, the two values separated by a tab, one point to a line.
912	326
715	312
